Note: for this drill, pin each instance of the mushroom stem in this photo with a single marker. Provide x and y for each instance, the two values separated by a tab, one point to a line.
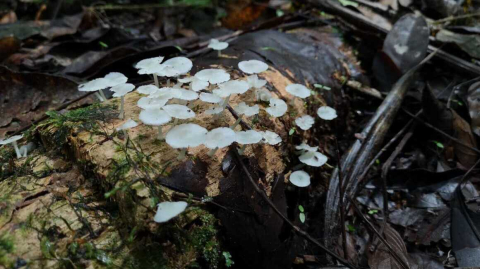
155	78
182	154
168	82
17	151
100	98
219	53
160	133
103	95
175	122
225	102
122	101
236	123
212	152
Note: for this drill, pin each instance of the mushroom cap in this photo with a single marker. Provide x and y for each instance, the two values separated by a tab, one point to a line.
94	85
149	63
217	45
168	210
248	137
313	158
115	78
300	178
164	93
214	110
122	89
210	98
151	103
231	87
248	111
127	125
271	138
277	108
306	147
327	113
154	116
186	135
147	89
213	76
298	90
184	94
254	82
305	122
179	111
252	66
175	66
11	139
220	137
263	94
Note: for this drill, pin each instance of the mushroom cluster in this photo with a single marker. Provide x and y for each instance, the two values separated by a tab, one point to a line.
163	107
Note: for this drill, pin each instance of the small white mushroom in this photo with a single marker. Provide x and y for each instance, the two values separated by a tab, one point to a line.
150	66
244	109
248	137
277	108
147	89
210	98
219	138
313	158
151	103
217	45
213	76
168	210
115	78
327	113
155	117
195	83
119	91
183	94
96	85
226	89
215	110
25	149
256	83
179	112
175	67
186	135
13	140
127	125
305	147
298	90
305	122
271	138
300	179
252	66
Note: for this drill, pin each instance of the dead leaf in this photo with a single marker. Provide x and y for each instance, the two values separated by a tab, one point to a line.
8	46
380	257
10	17
242	13
466	156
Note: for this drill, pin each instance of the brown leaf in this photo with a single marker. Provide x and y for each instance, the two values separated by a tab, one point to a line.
462	131
380	257
8	46
242	13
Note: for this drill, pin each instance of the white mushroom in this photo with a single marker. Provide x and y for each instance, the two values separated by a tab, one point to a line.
119	91
244	109
151	103
115	78
127	125
186	135
150	66
96	85
254	82
210	98
213	76
215	110
300	178
252	66
305	122
327	113
271	137
263	94
179	111
168	210
226	89
298	90
313	158
277	108
219	138
183	94
248	137
155	117
217	45
305	147
147	89
195	83
27	148
175	67
13	140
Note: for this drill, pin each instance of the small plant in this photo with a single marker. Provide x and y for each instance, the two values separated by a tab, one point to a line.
228	259
301	216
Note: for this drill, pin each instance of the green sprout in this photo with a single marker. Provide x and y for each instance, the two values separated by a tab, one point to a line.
302	213
438	144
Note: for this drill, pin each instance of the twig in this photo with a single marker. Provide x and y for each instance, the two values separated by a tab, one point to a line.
453	18
370	225
297	229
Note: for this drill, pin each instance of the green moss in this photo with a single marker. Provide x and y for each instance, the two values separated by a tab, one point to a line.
6	246
204	239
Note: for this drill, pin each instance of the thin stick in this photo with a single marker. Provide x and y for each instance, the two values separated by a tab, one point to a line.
342	207
297	229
